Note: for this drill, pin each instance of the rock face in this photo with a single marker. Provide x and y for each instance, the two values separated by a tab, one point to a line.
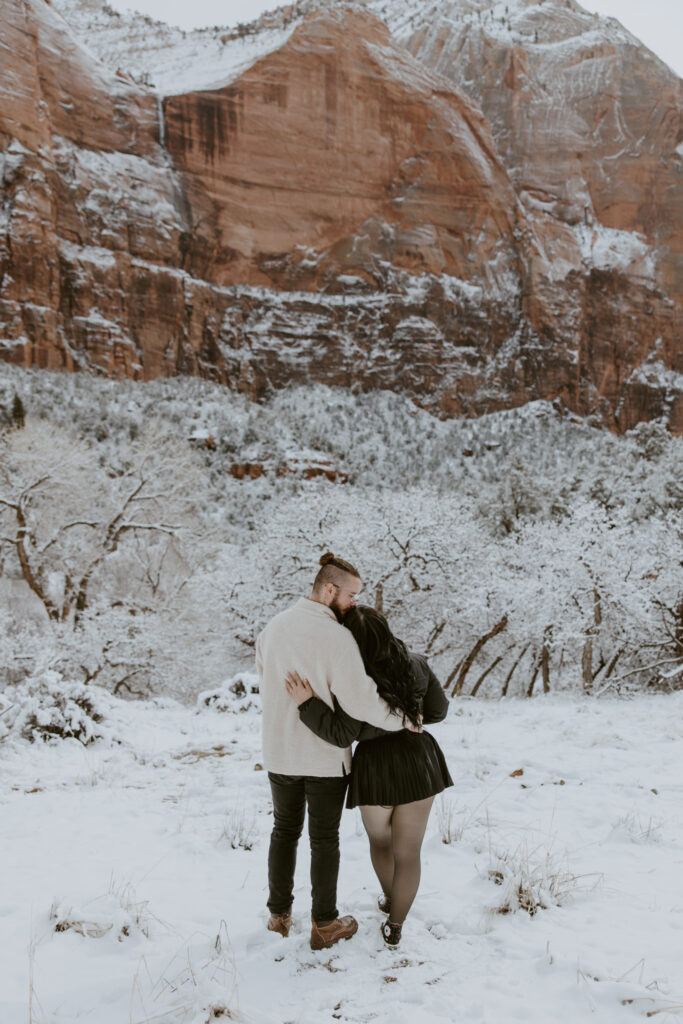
76	142
337	208
588	124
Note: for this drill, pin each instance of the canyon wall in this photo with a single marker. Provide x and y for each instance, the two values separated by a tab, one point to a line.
474	214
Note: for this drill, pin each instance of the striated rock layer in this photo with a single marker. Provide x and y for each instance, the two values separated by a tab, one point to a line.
338	210
588	124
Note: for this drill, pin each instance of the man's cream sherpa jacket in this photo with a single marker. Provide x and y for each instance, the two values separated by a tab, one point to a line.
307	638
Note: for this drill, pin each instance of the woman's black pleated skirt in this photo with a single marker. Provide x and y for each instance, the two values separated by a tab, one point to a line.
397	769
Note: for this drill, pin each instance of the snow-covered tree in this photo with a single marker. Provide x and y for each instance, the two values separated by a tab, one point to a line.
94	549
522	551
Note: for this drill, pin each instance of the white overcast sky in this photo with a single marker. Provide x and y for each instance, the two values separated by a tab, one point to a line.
658	23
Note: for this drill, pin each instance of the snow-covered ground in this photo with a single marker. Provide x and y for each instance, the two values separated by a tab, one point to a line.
158	912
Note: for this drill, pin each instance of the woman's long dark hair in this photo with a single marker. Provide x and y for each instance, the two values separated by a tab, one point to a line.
386	659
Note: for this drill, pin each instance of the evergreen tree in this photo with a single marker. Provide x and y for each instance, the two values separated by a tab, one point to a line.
18	412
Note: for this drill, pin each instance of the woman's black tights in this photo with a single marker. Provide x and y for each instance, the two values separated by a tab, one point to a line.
396	835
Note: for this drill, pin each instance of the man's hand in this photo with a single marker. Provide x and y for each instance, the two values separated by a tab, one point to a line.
298	689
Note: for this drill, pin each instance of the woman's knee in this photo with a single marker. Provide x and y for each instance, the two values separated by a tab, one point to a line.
406	850
381	841
410	860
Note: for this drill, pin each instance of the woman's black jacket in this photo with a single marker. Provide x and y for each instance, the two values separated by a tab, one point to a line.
340	729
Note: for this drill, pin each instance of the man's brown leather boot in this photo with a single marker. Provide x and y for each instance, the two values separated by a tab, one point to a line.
280	923
326	933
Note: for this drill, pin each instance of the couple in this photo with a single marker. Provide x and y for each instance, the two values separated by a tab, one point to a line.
315	675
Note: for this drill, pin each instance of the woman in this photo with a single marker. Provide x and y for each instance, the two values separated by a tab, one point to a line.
395	776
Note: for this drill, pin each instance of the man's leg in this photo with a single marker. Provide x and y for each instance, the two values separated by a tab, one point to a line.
289	805
325	799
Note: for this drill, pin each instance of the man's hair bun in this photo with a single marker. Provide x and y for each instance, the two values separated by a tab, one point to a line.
330	568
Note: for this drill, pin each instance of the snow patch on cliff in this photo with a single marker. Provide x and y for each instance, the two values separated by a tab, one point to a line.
169	59
11	159
655	373
510	21
609	249
95	255
120	190
195	67
416	330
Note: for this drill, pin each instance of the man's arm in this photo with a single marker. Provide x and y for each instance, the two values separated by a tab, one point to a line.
356	691
259	656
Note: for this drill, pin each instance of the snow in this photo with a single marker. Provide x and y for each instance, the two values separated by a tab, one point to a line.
610	249
416	329
96	255
525	530
456	289
654	372
187	74
119	188
13	156
165	58
555	22
174	61
133	850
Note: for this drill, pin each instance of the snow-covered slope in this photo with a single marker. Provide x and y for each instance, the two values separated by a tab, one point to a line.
138	877
528	22
173	60
169	59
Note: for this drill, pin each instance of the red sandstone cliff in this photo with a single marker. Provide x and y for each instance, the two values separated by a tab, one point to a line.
588	124
341	212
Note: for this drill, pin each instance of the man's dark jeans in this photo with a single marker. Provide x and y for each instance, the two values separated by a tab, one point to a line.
325	801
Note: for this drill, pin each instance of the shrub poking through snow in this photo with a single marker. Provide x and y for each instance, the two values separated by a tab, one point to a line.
453	822
6	708
240	828
531	881
48	708
194	985
234	695
117	913
450	830
219	1010
636	830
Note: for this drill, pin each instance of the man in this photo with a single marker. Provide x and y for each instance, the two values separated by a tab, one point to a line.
303	770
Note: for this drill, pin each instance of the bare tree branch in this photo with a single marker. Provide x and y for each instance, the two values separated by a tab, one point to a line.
648	668
434	635
63	529
466	664
482	677
29	575
510	674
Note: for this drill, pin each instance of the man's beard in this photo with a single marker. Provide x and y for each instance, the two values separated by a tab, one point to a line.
337	610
